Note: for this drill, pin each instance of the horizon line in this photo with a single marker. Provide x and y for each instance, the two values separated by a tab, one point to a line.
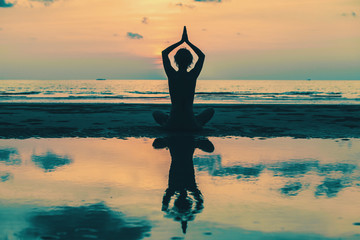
157	79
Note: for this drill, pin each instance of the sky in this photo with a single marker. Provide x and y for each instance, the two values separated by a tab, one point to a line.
117	39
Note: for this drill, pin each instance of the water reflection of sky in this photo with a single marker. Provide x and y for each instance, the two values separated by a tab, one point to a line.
267	189
9	156
96	221
336	176
50	161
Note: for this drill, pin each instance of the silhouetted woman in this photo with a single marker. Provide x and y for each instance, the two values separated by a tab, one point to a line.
182	187
182	85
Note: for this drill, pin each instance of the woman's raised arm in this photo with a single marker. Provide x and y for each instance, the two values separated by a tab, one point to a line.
165	57
199	64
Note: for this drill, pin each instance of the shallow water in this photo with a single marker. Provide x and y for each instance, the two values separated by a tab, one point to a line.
207	91
229	188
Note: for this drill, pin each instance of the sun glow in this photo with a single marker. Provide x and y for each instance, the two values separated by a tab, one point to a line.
228	31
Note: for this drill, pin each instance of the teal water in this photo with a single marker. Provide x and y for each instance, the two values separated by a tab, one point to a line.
248	188
207	91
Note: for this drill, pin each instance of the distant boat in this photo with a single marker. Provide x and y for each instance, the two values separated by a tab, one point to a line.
101	79
308	79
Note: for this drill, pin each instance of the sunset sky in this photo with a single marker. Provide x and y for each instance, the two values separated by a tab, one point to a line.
117	39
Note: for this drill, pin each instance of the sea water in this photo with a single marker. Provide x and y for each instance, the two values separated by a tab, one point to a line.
207	91
251	188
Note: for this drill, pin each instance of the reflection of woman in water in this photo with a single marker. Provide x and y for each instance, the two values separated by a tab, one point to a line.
182	85
182	186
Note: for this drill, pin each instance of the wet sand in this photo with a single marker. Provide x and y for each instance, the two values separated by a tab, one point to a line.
99	188
18	120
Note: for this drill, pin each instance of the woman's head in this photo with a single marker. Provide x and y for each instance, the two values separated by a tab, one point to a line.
183	58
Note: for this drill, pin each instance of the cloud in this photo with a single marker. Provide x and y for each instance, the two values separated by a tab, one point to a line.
331	187
5	176
347	175
291	189
145	20
293	169
134	35
212	164
96	221
4	4
184	5
50	161
9	156
44	2
352	14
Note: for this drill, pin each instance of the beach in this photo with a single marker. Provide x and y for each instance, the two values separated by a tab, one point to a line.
280	163
45	120
82	157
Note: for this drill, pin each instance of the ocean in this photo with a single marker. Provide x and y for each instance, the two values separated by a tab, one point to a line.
156	91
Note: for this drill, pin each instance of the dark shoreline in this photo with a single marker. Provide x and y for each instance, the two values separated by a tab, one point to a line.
54	120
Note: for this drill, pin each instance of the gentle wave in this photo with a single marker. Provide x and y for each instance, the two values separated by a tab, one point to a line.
19	93
156	91
110	97
104	94
147	92
281	94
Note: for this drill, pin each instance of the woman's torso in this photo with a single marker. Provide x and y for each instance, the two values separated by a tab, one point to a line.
182	90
